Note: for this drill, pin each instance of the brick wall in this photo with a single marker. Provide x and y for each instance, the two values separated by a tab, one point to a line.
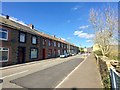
13	44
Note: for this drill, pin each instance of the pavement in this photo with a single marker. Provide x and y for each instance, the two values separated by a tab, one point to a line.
86	75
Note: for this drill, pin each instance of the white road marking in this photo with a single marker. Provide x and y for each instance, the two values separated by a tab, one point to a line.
69	74
14	74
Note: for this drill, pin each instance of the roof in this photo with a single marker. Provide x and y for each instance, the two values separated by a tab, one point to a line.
21	26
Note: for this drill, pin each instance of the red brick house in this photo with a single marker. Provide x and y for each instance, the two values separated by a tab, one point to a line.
23	43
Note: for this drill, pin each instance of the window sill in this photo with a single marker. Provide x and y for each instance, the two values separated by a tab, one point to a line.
4	61
4	39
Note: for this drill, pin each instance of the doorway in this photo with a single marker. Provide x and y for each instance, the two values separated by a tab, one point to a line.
44	53
55	53
21	54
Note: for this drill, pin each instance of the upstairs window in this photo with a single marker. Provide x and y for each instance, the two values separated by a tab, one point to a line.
44	42
34	40
3	34
3	54
22	37
54	43
58	44
50	43
61	45
67	46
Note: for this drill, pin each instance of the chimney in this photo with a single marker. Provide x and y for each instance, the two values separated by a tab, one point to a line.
31	26
7	17
53	35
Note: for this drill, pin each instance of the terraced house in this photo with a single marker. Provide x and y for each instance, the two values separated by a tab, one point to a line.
21	43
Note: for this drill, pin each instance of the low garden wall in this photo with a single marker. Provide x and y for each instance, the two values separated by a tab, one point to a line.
104	72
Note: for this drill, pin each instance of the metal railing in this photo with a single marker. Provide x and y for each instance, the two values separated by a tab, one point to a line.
115	79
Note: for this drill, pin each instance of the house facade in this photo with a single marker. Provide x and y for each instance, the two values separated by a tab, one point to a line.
21	43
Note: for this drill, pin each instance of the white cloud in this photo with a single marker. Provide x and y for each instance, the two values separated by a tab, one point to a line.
83	27
89	41
83	35
76	7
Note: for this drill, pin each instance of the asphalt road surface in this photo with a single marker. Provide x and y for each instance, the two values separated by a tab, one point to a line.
48	78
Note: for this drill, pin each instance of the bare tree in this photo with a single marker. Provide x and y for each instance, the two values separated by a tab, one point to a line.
105	24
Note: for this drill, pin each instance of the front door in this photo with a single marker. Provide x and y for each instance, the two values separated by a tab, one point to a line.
55	53
21	54
44	53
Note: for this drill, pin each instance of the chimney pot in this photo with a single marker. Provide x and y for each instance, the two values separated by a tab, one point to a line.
53	36
31	26
7	17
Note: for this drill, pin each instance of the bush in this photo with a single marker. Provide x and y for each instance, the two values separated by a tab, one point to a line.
98	52
114	54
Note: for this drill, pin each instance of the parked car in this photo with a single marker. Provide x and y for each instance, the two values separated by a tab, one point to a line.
73	54
69	54
64	55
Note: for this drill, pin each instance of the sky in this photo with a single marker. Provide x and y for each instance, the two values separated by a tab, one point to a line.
66	20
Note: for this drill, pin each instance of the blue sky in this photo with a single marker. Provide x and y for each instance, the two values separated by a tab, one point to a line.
68	20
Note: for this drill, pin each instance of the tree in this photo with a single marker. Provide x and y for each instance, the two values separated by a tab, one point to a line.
105	24
81	50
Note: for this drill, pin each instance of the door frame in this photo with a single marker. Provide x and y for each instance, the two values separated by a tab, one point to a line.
24	50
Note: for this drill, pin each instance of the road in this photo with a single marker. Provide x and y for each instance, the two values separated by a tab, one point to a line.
48	78
42	74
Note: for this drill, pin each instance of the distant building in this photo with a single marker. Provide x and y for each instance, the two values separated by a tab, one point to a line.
88	49
23	43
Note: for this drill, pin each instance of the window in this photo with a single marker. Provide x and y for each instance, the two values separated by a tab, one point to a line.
58	44
44	42
61	45
3	34
49	52
65	52
50	43
34	40
67	46
55	43
34	53
22	37
3	54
